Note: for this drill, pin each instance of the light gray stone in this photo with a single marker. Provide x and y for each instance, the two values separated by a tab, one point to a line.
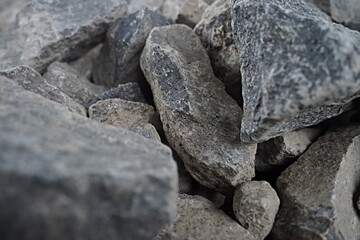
123	113
215	32
32	81
191	12
282	150
201	122
135	5
198	218
55	30
298	68
8	11
72	83
119	61
147	130
255	206
171	8
316	191
63	176
346	12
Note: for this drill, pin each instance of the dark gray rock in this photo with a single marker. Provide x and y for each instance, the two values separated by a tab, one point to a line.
215	32
201	122
63	176
55	30
316	191
8	11
191	12
147	130
32	81
358	204
119	61
198	218
298	68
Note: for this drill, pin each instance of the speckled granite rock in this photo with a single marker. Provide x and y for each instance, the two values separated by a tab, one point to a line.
282	150
191	12
70	81
201	122
197	218
8	11
147	130
119	61
68	29
255	206
316	191
32	81
296	72
84	180
215	32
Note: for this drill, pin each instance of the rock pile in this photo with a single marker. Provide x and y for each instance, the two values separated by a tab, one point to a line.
179	119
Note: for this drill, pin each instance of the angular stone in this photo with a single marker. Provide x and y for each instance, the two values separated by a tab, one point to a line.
216	35
281	150
147	130
123	113
53	30
8	11
316	191
70	81
298	68
63	176
32	81
255	206
119	61
197	218
191	12
201	122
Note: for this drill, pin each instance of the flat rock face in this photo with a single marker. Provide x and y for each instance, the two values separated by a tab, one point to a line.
119	61
316	191
200	120
216	35
255	206
8	11
298	67
198	218
68	29
32	81
83	180
191	12
70	81
147	130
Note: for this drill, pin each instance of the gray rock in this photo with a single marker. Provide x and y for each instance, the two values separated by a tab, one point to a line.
119	61
216	198
316	191
68	29
282	150
172	8
215	32
191	12
123	113
197	218
255	206
324	5
135	5
346	12
63	176
147	130
8	11
32	81
295	72
186	181
201	122
70	81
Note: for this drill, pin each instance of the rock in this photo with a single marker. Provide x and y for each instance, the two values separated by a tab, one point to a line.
322	4
295	72
346	12
119	61
216	198
70	81
147	130
68	29
32	81
215	32
134	5
8	11
358	204
191	12
316	191
84	180
201	122
186	181
123	113
282	150
255	206
197	218
171	8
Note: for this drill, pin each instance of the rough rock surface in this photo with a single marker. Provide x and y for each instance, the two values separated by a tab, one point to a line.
147	130
191	12
298	68
201	122
346	12
32	81
216	35
8	11
316	191
197	218
119	61
324	5
68	29
255	206
281	150
123	113
84	180
70	81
